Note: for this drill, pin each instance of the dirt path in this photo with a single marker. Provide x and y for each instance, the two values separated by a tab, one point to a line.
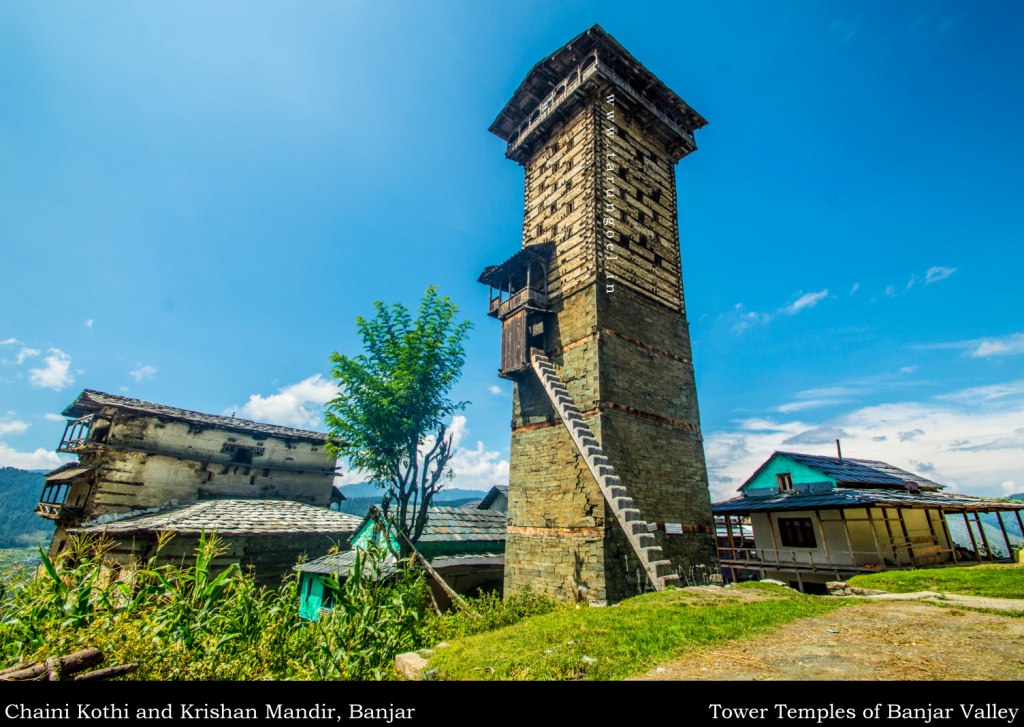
887	640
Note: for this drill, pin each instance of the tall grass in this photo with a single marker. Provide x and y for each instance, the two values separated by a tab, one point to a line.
191	622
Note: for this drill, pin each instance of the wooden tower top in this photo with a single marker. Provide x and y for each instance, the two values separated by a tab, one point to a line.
555	84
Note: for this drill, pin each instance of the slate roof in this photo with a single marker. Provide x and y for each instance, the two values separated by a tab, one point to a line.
851	497
90	401
231	517
455	524
854	472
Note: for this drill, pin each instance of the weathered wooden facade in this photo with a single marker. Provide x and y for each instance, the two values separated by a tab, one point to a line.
608	492
135	456
817	519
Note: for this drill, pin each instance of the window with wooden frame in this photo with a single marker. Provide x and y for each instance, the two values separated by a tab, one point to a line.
785	481
797	532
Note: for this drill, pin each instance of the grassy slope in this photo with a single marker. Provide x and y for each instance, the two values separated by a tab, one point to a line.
992	580
624	640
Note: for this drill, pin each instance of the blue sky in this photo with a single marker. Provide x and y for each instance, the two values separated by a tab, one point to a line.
197	200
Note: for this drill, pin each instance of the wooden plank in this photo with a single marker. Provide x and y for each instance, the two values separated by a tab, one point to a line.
824	540
874	536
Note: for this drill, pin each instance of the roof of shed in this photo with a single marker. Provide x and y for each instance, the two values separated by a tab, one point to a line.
90	401
492	495
847	471
851	497
231	517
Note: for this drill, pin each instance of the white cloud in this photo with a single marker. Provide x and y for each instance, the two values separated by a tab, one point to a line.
89	322
9	342
1009	345
745	319
27	353
1006	346
809	404
55	372
971	440
478	468
496	390
40	459
142	373
1011	488
807	300
13	426
54	418
297	405
855	288
937	273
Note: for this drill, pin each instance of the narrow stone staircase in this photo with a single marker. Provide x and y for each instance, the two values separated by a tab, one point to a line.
659	571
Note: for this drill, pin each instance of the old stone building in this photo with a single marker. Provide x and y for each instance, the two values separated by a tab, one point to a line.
608	492
136	457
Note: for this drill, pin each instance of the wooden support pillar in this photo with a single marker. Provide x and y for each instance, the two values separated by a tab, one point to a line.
775	545
846	532
888	532
874	536
906	536
1006	536
984	538
732	545
949	536
824	540
974	543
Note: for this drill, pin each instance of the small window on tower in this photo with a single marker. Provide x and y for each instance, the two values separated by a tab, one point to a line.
568	184
568	207
639	196
539	231
640	218
568	143
622	132
656	195
623	239
622	173
554	207
639	155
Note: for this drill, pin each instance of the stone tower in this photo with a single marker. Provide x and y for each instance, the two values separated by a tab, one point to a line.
608	492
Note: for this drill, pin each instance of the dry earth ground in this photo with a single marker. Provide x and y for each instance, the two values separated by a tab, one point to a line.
872	640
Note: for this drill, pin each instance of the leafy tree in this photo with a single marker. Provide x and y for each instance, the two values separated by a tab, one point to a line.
390	416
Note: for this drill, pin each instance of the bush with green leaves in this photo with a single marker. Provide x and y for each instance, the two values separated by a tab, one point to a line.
193	623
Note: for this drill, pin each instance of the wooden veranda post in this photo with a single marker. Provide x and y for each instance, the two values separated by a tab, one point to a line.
906	537
984	538
846	532
1006	536
949	536
874	536
974	543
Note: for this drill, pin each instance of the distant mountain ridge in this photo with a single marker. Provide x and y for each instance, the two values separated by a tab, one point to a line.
19	525
368	489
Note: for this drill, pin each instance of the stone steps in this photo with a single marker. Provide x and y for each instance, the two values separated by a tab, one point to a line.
659	571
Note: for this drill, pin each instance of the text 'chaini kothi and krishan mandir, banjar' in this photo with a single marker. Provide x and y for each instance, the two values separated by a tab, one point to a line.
608	491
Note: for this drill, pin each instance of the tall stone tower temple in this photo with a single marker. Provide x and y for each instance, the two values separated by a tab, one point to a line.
608	493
